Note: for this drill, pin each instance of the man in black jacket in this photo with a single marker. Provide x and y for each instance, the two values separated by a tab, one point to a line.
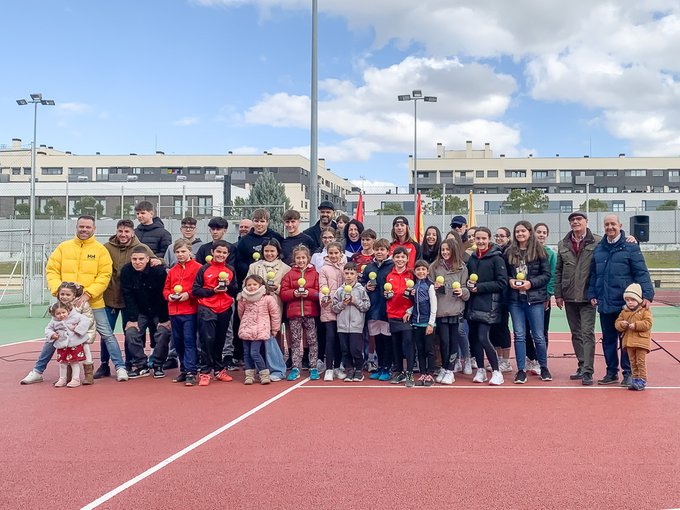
142	286
326	213
151	230
252	242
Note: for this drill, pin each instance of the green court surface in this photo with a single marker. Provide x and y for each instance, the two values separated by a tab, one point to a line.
17	326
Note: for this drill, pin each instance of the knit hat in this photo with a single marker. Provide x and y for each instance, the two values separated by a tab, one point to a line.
633	291
401	219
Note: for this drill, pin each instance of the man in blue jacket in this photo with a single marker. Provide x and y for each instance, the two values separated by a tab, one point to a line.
615	265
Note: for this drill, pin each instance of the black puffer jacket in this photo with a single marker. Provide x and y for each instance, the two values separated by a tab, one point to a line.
538	273
485	304
154	236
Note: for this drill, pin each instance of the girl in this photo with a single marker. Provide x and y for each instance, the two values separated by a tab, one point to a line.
529	272
487	279
450	267
635	325
500	332
182	308
67	293
68	330
400	328
431	243
271	263
340	223
327	236
422	316
300	292
401	237
260	319
331	278
352	235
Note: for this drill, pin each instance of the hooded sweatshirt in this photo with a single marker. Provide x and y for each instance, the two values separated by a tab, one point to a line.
351	317
154	236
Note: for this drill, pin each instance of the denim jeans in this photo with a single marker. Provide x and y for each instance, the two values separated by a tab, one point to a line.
112	315
184	337
251	355
274	357
611	343
521	313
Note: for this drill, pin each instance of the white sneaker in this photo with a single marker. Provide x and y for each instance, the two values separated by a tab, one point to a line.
505	366
320	366
457	367
473	363
535	368
440	375
467	369
328	377
275	377
480	376
32	378
339	373
448	378
121	374
497	378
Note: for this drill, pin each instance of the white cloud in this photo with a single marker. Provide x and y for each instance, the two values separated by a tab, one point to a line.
186	121
378	186
74	108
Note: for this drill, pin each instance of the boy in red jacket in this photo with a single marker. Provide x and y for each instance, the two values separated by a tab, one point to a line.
397	306
300	292
182	307
214	287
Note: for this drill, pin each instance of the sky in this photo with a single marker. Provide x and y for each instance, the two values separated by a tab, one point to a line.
208	76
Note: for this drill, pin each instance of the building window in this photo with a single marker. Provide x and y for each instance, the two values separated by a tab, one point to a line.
423	175
21	201
194	171
205	206
211	171
255	171
599	173
52	171
566	190
606	189
148	171
657	173
618	205
27	170
16	171
566	208
479	174
612	173
515	174
636	173
102	174
674	173
540	175
177	203
492	173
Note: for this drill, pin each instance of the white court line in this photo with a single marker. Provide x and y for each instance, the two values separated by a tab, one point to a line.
23	342
485	386
106	497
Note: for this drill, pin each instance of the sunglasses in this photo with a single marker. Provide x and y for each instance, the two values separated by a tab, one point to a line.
456	225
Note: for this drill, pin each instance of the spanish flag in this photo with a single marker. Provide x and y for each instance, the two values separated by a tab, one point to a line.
472	221
418	231
359	214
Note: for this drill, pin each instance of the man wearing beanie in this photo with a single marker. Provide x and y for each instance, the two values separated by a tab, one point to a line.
635	324
616	264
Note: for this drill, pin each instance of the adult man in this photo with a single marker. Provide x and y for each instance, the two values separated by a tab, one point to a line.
572	273
188	231
244	227
294	237
218	229
326	213
151	230
252	242
459	224
616	264
83	260
120	248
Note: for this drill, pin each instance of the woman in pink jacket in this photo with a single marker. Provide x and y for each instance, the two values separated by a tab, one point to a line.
260	319
331	277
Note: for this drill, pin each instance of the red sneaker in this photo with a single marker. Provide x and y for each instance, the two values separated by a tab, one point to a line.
223	376
204	379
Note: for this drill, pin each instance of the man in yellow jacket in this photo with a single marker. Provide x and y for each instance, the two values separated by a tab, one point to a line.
83	260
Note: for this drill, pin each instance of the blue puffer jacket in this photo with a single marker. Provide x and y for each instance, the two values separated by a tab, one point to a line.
613	268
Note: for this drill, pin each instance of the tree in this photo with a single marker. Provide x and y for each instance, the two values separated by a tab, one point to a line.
391	209
127	212
454	204
22	210
526	201
88	205
54	208
668	205
595	205
267	192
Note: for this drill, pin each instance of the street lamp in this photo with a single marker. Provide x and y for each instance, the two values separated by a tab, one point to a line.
415	96
36	99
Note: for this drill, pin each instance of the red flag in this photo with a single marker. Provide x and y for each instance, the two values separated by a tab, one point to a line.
419	229
359	214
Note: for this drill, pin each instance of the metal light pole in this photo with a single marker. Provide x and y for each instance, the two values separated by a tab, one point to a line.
415	96
314	123
36	99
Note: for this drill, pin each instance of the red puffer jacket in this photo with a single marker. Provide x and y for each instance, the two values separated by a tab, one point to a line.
298	306
397	306
184	276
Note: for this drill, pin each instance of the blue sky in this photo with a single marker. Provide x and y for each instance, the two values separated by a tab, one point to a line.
208	76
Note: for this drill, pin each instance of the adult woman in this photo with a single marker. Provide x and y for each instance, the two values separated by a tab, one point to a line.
432	240
327	236
352	235
401	236
487	280
500	332
529	273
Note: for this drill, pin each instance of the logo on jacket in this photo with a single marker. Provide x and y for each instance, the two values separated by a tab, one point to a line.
91	256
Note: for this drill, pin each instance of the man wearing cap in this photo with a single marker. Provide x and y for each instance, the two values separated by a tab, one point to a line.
326	213
572	273
459	224
616	264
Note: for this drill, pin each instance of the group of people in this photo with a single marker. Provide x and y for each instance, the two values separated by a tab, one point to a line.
339	301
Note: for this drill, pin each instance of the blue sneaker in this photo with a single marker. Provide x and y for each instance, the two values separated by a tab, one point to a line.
295	374
313	374
385	376
376	375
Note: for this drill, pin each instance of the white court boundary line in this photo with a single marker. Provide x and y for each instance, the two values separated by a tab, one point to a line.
506	386
133	481
23	342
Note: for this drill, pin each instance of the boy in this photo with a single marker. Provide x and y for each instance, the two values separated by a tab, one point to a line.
378	327
188	230
142	285
351	308
294	237
365	256
635	322
214	287
218	227
151	230
252	242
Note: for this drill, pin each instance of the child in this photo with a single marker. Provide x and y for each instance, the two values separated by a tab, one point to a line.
401	237
331	278
260	319
182	307
271	263
327	236
294	236
214	293
67	293
378	327
340	225
68	330
302	306
365	256
400	328
422	316
351	308
635	322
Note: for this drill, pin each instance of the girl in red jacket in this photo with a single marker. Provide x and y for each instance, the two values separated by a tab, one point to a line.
182	308
397	306
401	237
300	292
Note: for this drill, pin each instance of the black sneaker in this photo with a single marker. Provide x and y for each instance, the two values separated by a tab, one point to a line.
102	371
520	377
358	376
626	381
587	380
545	374
409	383
190	380
429	381
608	379
398	378
158	373
181	377
170	363
576	375
137	372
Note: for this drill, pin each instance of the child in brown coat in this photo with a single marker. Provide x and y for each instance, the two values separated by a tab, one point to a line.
635	323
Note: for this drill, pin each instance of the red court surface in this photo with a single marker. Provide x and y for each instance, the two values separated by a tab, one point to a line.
342	445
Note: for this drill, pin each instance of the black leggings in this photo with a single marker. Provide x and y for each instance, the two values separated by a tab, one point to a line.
480	344
425	346
452	341
383	347
402	347
531	348
332	345
500	333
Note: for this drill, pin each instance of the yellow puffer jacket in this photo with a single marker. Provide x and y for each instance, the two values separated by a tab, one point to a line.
85	262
